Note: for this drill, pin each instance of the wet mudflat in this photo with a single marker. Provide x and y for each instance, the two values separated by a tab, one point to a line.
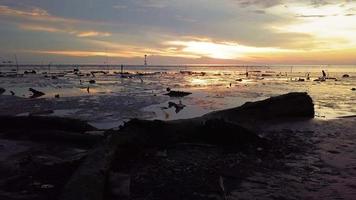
324	169
311	159
307	160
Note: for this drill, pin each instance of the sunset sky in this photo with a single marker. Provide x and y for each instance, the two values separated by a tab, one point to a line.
179	31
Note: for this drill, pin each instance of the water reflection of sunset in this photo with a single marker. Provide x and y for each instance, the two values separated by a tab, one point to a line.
199	82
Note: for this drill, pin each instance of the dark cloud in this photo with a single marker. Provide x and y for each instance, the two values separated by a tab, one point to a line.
271	3
315	16
318	3
259	11
261	3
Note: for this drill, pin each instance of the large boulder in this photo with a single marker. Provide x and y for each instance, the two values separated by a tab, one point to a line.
287	106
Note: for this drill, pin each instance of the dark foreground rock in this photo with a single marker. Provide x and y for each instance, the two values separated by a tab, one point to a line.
43	123
39	154
200	158
219	141
291	105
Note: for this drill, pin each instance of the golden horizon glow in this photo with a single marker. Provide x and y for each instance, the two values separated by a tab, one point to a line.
223	50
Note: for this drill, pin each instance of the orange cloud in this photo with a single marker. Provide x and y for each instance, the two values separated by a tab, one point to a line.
74	53
93	33
35	27
34	12
40	17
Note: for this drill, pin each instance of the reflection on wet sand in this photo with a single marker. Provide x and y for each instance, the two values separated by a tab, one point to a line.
202	89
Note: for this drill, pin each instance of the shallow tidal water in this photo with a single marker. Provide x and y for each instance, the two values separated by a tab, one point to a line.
113	99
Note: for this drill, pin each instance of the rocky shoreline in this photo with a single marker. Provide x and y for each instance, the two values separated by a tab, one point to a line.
240	153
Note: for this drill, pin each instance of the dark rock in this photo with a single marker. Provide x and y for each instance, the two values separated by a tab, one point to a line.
92	81
89	181
30	72
172	93
43	123
56	96
291	105
2	90
119	185
35	93
345	76
353	89
48	129
43	112
217	128
12	93
214	131
178	107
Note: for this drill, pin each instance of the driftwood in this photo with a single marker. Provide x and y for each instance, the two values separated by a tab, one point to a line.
217	128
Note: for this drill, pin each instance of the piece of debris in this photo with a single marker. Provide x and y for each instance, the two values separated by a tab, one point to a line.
345	76
222	187
2	90
47	186
12	93
172	93
92	81
178	106
162	153
320	79
35	93
30	72
353	89
43	112
56	96
95	133
120	185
